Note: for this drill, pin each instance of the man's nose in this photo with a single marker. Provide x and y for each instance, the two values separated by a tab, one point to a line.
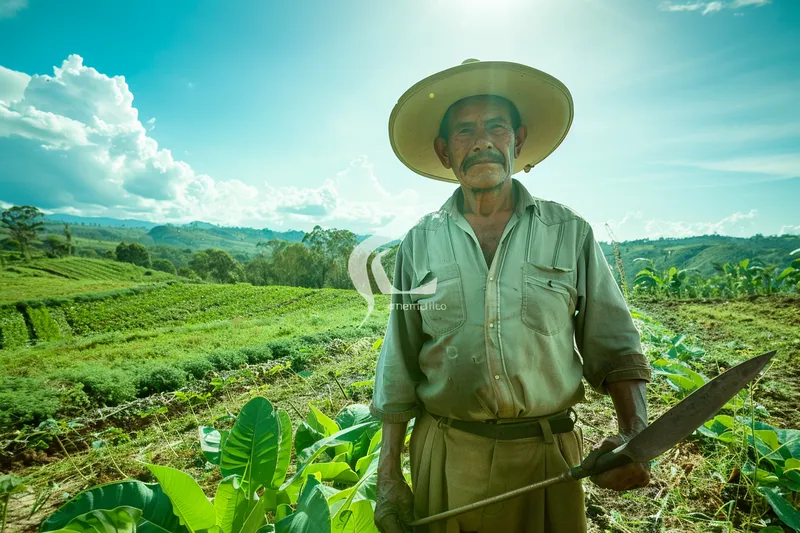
483	142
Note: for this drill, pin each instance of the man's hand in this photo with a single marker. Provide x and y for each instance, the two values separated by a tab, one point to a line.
394	505
394	501
630	476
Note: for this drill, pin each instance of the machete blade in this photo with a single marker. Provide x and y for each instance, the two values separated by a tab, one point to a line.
693	411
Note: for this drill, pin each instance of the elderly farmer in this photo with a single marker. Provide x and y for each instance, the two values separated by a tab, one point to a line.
490	358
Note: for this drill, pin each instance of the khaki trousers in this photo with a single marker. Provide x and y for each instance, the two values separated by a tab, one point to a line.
451	468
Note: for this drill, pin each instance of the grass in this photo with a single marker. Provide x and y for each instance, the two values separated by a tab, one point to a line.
694	487
54	278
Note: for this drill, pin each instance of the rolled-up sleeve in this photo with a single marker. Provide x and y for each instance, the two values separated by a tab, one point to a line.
605	334
398	372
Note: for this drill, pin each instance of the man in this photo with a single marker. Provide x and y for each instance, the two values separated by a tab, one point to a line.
490	361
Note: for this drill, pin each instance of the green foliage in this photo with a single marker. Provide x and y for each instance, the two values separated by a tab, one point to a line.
26	401
186	272
197	367
746	277
43	325
105	386
177	304
227	359
56	247
259	353
13	331
24	224
119	520
133	253
164	265
188	501
157	511
159	376
217	265
255	450
312	514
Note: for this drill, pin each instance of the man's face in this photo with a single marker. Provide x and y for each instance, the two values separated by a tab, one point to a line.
481	144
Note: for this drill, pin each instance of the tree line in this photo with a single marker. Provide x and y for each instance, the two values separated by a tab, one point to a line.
319	260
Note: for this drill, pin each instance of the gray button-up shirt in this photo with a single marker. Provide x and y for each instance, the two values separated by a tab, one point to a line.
510	340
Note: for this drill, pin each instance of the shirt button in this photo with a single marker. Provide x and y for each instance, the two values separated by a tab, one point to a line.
491	279
497	376
491	325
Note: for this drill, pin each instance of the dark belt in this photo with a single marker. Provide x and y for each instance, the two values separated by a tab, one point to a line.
490	429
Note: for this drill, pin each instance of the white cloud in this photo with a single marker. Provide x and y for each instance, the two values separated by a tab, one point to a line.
73	142
9	8
789	230
780	166
711	7
738	224
12	84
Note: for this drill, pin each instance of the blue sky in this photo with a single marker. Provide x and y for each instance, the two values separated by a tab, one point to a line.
274	114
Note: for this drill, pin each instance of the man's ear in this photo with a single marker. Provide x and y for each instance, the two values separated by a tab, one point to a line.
519	139
440	146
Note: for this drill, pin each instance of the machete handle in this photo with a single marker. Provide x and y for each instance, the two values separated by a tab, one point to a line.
607	461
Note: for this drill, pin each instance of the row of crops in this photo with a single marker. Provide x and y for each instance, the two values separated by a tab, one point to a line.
76	268
152	307
332	482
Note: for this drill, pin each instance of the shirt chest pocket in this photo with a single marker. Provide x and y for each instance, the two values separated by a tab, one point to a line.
548	297
444	310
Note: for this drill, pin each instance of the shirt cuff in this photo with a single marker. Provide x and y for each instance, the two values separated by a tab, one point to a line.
623	367
394	418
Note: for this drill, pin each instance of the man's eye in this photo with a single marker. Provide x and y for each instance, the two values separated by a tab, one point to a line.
465	131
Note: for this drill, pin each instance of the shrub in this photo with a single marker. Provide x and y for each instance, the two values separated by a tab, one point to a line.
159	377
227	359
26	401
13	331
44	327
259	353
164	265
197	367
281	348
133	253
103	385
186	272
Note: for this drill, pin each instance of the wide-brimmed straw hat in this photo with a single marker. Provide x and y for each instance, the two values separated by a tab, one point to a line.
544	104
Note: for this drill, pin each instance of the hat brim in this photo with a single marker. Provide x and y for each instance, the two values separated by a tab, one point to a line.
544	104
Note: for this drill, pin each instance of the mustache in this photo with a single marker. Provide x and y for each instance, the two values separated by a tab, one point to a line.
493	157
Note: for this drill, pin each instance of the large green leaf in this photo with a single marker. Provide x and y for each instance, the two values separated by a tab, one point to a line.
120	520
353	415
305	437
340	472
188	499
211	442
363	490
157	513
251	450
230	504
679	376
346	436
788	514
255	518
321	422
358	518
284	450
312	514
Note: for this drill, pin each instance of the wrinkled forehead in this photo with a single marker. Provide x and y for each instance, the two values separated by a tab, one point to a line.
479	108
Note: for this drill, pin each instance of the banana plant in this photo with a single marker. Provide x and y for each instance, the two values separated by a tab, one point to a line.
254	458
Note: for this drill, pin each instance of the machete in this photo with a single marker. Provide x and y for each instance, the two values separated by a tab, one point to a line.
665	432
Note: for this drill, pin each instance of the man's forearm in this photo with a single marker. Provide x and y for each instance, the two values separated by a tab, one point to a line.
392	443
630	403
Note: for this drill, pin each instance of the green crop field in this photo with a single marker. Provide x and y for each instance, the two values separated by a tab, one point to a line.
53	278
106	373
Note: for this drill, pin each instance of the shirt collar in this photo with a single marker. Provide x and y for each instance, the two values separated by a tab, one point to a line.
524	201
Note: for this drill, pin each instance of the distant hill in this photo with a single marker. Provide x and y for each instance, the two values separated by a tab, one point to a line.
702	252
100	221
